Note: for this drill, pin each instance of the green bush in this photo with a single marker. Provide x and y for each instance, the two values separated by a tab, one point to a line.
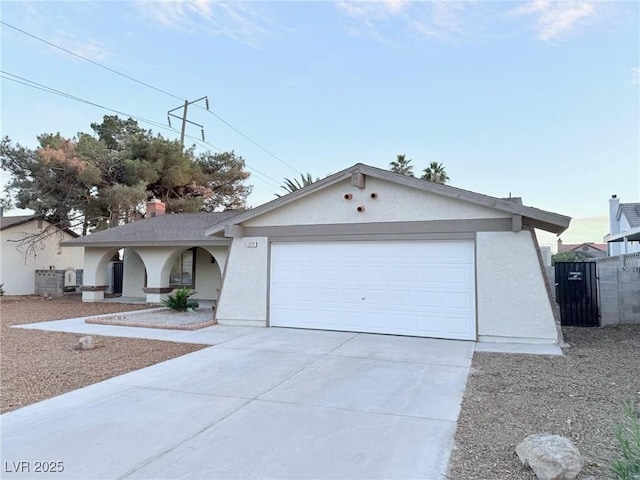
628	434
180	302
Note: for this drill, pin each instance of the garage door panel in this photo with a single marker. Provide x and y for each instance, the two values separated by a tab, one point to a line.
408	288
455	325
456	301
458	274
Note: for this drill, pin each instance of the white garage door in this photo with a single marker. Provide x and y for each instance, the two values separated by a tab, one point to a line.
422	288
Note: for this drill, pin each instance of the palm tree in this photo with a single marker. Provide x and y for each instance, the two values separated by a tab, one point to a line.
401	166
435	172
292	185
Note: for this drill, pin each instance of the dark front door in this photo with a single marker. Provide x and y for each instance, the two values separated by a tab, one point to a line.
118	273
577	293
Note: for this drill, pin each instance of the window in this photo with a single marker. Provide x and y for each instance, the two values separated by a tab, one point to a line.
183	270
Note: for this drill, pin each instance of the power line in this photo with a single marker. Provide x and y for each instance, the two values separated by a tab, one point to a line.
44	88
39	86
255	143
268	180
153	88
89	60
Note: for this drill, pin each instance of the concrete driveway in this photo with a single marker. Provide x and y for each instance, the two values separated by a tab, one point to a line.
271	403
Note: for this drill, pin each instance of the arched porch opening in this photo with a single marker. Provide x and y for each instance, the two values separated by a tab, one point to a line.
198	269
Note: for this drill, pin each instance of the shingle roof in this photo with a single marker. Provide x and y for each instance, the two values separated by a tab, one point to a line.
632	212
8	222
532	217
177	229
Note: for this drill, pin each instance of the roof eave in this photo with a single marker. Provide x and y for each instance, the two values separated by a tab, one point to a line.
145	243
631	235
544	220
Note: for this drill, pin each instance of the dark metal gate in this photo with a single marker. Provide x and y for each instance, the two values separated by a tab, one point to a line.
577	293
118	274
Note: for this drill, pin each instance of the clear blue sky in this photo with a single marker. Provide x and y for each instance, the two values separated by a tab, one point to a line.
539	99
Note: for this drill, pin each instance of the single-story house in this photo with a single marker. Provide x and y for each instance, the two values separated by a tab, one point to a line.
29	243
363	250
589	249
624	225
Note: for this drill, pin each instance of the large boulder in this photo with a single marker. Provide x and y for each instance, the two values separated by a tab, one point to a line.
85	343
551	457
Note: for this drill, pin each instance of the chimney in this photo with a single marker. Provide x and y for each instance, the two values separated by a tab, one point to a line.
155	208
560	245
614	204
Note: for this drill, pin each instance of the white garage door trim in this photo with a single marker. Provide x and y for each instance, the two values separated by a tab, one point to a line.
418	288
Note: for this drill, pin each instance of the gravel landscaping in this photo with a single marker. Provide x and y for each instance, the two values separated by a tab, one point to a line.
508	396
36	365
578	396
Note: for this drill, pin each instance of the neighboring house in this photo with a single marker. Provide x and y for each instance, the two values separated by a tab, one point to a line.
29	243
624	227
363	250
589	249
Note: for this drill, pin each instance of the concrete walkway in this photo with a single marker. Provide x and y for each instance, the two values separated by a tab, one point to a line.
262	403
215	335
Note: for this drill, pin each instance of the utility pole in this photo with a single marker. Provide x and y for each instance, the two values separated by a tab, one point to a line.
184	117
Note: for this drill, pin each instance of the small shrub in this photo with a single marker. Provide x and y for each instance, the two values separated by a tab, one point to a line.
180	302
628	435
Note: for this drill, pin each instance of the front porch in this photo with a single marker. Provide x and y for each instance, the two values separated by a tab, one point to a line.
151	273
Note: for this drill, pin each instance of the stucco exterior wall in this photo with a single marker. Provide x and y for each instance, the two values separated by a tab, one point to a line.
133	274
208	278
512	300
394	203
243	299
208	275
17	270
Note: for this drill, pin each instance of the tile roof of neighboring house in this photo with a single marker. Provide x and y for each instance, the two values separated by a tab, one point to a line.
175	229
632	212
9	222
566	247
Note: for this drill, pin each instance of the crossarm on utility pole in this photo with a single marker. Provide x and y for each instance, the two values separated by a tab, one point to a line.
184	117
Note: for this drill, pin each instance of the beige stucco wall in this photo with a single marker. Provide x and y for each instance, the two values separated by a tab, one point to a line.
17	270
395	203
208	276
133	274
243	299
512	301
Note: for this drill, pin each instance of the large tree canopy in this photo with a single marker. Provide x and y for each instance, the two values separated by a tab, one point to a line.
101	180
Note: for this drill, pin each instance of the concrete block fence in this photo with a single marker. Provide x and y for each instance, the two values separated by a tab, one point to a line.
56	282
619	289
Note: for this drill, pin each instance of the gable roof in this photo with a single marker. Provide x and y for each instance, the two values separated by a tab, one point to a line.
632	212
170	229
10	222
549	221
566	247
